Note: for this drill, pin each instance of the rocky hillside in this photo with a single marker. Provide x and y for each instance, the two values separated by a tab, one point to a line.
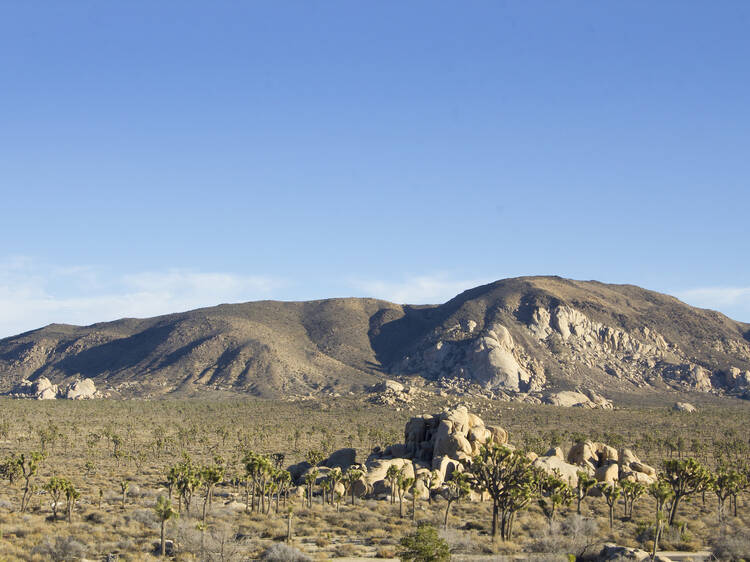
513	336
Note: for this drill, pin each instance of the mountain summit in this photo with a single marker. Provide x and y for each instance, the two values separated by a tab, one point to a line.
513	336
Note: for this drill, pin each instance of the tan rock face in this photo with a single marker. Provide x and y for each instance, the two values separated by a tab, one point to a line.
609	473
608	464
82	390
441	442
575	399
553	464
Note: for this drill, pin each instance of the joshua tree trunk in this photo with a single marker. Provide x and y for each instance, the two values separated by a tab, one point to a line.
289	527
494	519
162	545
657	536
447	510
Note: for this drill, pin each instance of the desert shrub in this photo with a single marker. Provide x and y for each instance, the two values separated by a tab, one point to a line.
460	542
732	546
60	549
346	550
424	545
280	552
146	517
575	535
385	552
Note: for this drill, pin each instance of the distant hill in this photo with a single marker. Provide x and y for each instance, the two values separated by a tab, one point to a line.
512	336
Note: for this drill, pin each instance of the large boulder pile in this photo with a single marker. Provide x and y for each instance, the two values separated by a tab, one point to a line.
43	389
584	398
392	393
439	444
599	460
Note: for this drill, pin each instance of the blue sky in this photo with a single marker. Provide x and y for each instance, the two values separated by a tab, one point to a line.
158	156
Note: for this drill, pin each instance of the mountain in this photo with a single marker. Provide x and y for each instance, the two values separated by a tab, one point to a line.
521	335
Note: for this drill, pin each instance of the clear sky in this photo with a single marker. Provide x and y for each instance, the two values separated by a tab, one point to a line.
156	156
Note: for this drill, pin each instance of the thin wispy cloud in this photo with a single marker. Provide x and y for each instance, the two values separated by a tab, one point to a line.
33	294
420	289
732	301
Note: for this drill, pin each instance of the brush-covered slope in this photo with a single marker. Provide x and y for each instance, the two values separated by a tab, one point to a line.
515	335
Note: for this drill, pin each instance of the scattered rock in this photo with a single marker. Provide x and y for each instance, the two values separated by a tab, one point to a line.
579	399
684	407
614	552
391	393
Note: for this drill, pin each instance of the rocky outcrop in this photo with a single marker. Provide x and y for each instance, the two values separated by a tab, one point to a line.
439	444
40	389
489	358
554	463
43	389
579	399
599	460
81	390
392	393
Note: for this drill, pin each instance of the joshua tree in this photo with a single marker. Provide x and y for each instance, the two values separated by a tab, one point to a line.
391	476
555	492
661	491
310	479
258	468
726	483
584	485
611	493
686	477
510	480
313	456
211	475
326	486
27	465
351	477
403	484
124	486
55	487
71	496
165	512
456	488
631	491
333	478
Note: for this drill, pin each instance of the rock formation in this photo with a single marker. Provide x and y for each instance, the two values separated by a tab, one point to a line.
438	444
441	444
579	399
43	389
599	460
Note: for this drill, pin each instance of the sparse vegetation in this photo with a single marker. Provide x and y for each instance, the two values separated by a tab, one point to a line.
242	513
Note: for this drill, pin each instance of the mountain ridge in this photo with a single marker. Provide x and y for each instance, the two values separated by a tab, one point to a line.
511	336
